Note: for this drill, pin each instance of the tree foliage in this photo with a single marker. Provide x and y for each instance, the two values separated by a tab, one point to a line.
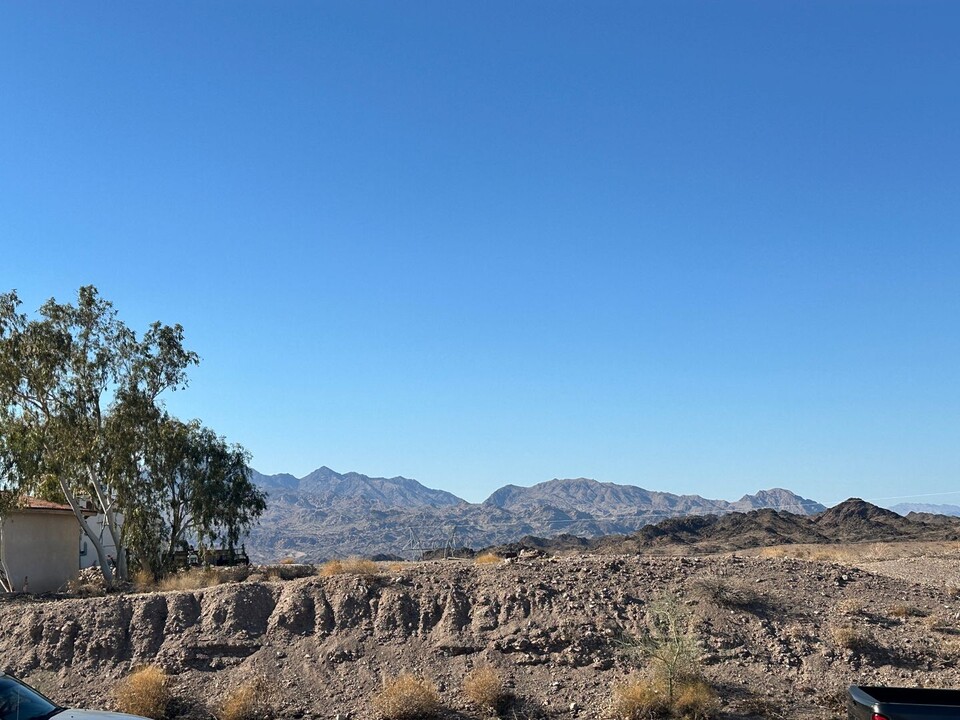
81	416
203	488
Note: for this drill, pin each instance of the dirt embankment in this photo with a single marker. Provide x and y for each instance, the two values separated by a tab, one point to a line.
552	626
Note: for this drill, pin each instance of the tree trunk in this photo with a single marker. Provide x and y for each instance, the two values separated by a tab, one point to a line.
111	521
91	535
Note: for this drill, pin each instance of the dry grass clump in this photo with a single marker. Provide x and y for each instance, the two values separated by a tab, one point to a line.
906	611
143	581
833	699
851	638
484	687
350	566
850	607
638	700
762	707
949	649
646	699
144	692
407	697
695	699
726	593
331	567
191	579
798	632
488	558
249	701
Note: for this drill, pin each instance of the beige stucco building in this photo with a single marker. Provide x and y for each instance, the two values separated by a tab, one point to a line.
41	546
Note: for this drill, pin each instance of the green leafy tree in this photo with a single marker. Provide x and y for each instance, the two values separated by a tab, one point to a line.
203	488
81	416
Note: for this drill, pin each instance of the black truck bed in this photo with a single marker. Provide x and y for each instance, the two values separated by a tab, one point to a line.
895	703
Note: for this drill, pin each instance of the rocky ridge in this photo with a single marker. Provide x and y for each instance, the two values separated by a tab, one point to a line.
853	520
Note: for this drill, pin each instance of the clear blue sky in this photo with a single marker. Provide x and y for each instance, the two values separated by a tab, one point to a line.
699	247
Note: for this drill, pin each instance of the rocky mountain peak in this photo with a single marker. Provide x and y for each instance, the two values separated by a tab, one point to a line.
335	488
778	499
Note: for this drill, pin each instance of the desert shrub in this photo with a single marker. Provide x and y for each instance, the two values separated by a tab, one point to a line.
638	700
797	632
851	638
762	707
850	607
407	697
669	642
350	566
488	558
695	699
331	567
484	687
725	593
906	611
144	692
249	701
834	700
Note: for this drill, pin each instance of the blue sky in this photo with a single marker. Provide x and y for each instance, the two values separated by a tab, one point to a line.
699	247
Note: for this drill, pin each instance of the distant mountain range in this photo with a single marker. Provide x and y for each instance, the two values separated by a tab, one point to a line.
928	508
328	514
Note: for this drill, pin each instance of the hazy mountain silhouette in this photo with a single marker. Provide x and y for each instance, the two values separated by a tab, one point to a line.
328	514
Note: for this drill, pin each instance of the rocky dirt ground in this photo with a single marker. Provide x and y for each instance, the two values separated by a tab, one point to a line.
780	636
